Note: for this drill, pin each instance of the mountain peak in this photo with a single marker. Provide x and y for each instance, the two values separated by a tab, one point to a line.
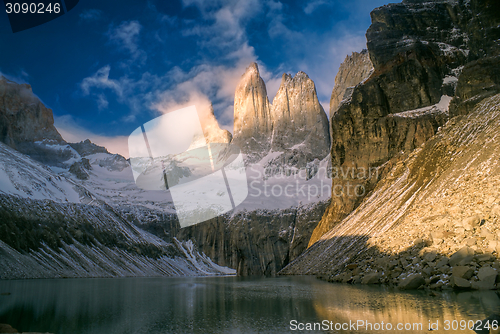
23	117
252	117
299	118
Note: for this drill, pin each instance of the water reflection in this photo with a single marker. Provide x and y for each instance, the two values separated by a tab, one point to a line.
223	305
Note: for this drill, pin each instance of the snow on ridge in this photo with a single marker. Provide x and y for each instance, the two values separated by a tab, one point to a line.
441	107
22	176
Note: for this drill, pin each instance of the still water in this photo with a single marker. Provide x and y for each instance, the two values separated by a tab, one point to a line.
226	305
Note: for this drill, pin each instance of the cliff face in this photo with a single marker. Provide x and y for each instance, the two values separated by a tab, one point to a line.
28	126
294	124
23	117
300	125
421	53
256	243
433	218
252	115
355	68
444	37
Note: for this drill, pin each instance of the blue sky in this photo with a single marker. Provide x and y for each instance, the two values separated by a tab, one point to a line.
106	67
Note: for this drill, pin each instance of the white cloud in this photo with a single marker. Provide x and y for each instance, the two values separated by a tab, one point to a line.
313	5
91	15
72	132
228	19
102	102
126	35
101	80
317	53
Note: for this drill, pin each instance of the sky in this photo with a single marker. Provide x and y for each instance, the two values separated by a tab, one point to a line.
107	67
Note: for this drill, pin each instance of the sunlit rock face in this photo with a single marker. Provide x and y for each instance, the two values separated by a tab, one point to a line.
424	53
211	129
300	125
294	124
436	208
252	115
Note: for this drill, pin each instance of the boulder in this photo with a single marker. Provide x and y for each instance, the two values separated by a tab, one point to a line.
487	274
373	278
414	281
459	283
462	254
462	272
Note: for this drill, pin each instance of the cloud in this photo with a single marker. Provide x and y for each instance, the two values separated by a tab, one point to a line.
101	80
223	26
313	5
20	79
102	102
318	52
126	36
91	15
72	132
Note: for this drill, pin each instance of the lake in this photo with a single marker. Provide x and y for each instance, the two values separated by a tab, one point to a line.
231	305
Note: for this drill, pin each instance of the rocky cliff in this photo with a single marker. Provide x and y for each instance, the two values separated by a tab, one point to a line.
300	125
432	220
27	125
256	243
355	68
421	52
252	114
295	124
23	117
291	133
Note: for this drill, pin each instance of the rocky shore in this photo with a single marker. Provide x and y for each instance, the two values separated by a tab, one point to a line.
434	262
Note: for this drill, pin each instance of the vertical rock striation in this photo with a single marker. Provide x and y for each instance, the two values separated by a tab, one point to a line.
355	69
23	117
418	50
300	125
252	115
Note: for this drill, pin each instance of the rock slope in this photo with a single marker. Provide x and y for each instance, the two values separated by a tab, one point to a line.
52	227
421	52
432	221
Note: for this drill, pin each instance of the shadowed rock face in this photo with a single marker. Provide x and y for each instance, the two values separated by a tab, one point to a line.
257	243
86	147
355	68
23	117
440	36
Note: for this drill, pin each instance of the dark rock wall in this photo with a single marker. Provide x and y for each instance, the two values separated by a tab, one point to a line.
256	243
